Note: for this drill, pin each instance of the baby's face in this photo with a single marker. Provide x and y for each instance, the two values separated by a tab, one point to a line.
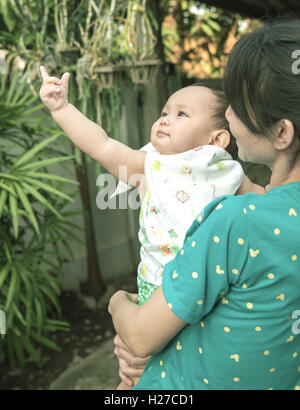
185	122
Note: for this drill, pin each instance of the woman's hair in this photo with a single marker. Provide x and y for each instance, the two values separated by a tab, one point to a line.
260	83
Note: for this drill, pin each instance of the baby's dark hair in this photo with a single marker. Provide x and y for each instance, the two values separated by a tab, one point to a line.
261	81
218	115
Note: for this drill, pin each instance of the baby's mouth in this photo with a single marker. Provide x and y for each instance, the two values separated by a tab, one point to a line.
161	133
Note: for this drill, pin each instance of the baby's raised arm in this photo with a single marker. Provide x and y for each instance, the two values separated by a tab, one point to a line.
87	135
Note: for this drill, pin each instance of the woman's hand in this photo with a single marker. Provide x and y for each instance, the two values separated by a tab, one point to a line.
130	365
119	296
54	91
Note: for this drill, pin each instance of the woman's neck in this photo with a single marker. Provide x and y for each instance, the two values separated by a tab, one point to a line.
285	170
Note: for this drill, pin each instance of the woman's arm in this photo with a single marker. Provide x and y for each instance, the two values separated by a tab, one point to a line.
145	329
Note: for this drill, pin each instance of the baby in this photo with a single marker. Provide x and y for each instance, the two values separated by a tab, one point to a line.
186	167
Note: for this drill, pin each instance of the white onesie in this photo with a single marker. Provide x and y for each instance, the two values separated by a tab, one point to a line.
179	187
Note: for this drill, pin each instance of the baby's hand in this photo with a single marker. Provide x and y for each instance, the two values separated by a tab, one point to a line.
54	91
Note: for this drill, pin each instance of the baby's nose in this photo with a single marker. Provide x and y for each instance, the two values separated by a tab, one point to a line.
165	120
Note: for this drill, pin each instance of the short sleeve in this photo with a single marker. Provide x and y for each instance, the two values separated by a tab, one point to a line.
211	260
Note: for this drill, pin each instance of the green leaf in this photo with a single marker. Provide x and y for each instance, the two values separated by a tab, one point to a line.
30	349
39	314
207	30
7	15
13	205
48	188
12	287
46	163
43	201
27	207
4	273
3	197
41	175
7	188
46	342
27	156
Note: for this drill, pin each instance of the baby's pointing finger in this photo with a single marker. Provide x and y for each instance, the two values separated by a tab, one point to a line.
44	73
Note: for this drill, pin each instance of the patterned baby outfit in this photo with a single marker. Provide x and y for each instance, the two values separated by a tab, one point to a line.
236	282
179	186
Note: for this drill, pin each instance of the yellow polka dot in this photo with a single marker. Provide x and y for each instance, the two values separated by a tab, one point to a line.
161	363
235	271
290	339
292	212
200	350
298	369
295	355
253	252
257	328
272	370
236	379
219	206
271	275
244	286
175	274
224	301
294	257
276	231
216	239
249	305
281	296
200	219
170	305
195	275
199	302
202	323
245	210
178	346
297	388
226	329
205	381
252	207
182	251
241	241
219	270
193	244
235	357
270	388
266	352
163	375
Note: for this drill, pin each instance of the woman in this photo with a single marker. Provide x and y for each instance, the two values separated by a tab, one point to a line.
225	316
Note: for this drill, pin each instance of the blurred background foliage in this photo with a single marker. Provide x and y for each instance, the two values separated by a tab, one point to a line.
107	45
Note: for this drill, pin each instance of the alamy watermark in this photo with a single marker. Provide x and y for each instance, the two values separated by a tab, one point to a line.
296	323
296	64
2	323
107	198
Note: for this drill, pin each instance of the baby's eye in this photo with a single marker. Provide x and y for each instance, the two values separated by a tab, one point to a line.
182	114
164	114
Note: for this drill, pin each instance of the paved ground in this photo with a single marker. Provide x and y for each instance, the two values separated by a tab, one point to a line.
98	371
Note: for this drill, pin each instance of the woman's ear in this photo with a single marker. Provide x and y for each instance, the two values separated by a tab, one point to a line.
220	138
285	135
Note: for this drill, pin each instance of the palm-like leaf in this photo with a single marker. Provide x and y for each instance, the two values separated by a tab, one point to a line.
34	227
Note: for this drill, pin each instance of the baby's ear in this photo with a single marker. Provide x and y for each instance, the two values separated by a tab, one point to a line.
220	138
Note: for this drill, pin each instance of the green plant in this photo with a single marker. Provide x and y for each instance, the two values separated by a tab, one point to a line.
34	227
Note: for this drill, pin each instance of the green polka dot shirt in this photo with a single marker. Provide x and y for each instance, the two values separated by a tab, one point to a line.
236	282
